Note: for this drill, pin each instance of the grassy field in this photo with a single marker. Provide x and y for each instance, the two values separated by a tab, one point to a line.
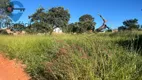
109	56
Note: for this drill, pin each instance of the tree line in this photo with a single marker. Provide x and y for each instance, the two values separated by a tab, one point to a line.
45	21
131	24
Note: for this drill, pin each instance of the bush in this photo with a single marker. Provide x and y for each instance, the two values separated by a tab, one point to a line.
3	32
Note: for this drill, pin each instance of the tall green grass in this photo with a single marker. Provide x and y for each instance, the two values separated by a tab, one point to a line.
75	57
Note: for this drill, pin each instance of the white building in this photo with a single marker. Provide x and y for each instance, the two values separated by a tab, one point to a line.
58	30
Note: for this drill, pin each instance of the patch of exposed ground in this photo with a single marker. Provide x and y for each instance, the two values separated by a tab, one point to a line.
11	70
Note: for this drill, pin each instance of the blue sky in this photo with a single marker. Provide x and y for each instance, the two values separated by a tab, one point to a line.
115	11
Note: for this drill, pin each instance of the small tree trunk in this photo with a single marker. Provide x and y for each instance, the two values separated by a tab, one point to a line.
51	31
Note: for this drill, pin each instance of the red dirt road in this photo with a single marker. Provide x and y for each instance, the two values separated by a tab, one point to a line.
11	70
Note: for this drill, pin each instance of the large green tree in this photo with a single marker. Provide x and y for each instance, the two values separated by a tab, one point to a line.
38	20
51	19
86	17
86	23
74	27
57	17
131	24
39	15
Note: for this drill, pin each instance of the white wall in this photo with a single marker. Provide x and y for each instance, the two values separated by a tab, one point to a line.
57	30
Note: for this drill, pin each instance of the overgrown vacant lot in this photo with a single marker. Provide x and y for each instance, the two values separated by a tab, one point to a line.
109	56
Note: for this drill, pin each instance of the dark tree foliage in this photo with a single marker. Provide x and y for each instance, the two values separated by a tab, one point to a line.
4	19
39	24
18	27
122	28
38	28
38	16
58	17
4	3
86	18
86	22
51	19
131	24
70	27
74	27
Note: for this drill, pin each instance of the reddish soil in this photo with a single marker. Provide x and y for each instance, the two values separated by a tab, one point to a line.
11	70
